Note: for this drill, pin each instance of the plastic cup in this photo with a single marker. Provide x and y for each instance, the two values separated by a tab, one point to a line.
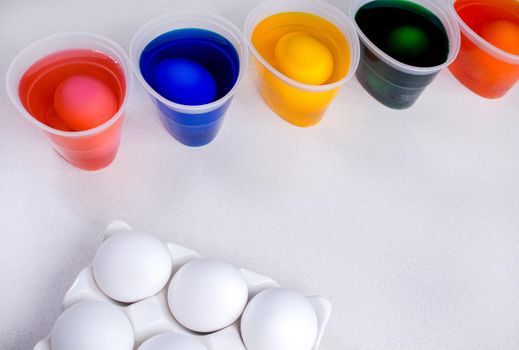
192	125
483	68
91	149
395	84
298	103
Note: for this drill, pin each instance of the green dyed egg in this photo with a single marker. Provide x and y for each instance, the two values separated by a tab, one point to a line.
408	40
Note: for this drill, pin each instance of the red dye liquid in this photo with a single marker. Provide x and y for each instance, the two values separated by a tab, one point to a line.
37	89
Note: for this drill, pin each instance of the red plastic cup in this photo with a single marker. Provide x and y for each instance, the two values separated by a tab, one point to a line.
91	149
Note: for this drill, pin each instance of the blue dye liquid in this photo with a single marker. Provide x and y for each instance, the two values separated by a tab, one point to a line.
208	49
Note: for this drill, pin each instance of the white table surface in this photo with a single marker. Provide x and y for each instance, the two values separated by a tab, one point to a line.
408	221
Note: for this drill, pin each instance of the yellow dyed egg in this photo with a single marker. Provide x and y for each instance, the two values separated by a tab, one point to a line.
304	58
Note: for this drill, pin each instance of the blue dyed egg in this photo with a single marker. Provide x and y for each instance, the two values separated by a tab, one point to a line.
184	82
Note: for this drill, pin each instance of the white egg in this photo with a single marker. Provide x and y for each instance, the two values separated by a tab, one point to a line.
172	341
131	266
92	325
206	295
279	319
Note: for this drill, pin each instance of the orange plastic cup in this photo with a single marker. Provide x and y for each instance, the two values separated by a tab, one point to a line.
91	149
298	103
482	67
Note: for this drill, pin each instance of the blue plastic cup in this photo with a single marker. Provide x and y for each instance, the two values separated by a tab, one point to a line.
193	125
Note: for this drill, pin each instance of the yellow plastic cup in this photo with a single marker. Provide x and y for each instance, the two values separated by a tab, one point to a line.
299	103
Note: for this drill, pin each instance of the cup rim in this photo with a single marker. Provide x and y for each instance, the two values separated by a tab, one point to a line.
435	7
351	38
12	85
220	21
481	42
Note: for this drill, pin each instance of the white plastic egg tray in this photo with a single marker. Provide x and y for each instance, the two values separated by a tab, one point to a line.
152	316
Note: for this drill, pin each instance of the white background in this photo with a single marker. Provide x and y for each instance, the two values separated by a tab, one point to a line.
407	220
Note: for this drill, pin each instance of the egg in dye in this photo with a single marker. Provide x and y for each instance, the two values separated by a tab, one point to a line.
184	82
304	58
502	34
83	102
408	40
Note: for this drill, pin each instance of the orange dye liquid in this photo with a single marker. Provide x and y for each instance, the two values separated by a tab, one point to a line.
484	73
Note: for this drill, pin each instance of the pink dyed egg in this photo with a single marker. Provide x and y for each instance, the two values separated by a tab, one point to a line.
84	102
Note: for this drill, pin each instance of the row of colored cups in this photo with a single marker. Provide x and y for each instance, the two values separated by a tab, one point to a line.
191	65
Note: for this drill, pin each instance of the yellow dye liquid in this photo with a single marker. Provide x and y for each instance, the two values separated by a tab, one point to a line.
300	105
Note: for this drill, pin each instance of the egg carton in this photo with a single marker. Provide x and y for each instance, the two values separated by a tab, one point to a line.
152	316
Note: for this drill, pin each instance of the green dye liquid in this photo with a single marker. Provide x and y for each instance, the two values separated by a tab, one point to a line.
406	31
